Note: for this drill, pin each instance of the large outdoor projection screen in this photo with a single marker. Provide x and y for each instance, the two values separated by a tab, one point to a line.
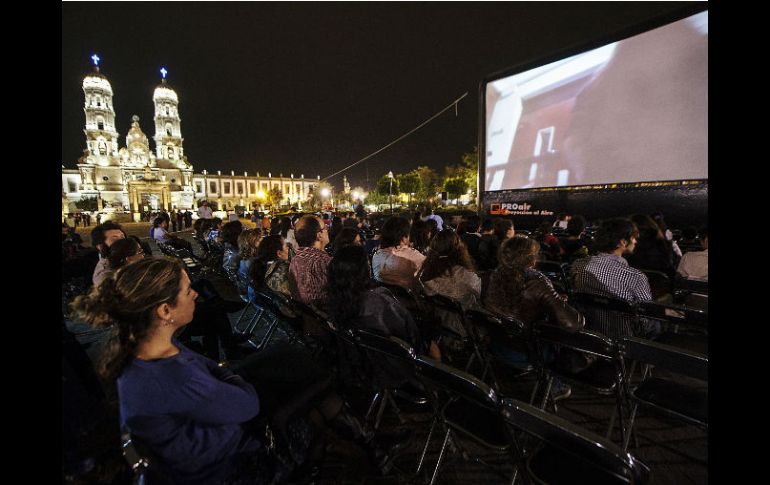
631	111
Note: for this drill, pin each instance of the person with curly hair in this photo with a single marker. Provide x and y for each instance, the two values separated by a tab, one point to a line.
516	289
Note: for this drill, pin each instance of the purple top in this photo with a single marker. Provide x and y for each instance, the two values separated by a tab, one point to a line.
188	411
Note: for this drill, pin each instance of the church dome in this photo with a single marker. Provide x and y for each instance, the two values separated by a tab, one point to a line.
96	80
164	92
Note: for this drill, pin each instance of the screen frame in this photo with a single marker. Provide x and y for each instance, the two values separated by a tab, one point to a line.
636	29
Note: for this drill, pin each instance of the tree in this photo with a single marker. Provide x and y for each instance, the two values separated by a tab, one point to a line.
410	183
471	165
375	198
87	204
429	183
471	160
455	187
275	196
383	185
313	199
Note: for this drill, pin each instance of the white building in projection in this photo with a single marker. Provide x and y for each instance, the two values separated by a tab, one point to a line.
134	179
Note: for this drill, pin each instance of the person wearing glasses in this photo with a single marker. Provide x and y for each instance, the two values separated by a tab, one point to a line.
309	267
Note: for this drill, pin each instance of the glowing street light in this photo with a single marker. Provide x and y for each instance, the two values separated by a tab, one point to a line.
390	191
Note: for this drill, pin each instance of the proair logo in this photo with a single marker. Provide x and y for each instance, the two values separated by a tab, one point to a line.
522	209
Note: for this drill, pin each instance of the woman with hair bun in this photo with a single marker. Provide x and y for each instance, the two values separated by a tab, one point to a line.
186	408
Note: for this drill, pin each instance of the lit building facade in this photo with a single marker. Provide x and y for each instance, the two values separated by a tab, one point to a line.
134	179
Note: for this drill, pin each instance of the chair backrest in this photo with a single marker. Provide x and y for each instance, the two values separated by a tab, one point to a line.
595	450
270	299
391	346
660	283
609	315
674	359
456	383
586	341
557	273
693	286
499	329
677	314
314	321
602	302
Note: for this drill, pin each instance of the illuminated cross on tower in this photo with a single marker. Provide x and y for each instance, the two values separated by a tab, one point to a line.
96	60
163	72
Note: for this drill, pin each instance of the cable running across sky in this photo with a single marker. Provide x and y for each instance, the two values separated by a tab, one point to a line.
454	103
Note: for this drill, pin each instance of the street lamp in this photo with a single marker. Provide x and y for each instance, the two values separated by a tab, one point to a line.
325	193
390	191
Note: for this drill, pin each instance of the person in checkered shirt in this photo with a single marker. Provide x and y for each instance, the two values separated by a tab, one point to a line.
310	265
608	274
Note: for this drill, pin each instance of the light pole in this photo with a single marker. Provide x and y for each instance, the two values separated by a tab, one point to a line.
390	191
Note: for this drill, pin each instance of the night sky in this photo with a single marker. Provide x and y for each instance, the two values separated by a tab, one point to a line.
309	88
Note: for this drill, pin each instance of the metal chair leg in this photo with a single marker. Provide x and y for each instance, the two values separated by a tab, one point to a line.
630	427
534	392
425	448
381	411
440	456
547	393
371	406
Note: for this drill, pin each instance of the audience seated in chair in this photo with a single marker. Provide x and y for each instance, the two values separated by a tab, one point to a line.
248	244
192	413
468	230
395	262
695	264
102	237
574	244
231	260
653	251
515	289
354	302
609	274
309	267
448	271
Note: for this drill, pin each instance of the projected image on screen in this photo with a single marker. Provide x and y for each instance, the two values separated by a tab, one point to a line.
635	110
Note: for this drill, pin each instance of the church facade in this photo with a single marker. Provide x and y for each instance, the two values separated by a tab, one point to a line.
127	181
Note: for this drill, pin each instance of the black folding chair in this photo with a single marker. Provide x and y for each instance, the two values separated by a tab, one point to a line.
557	273
673	397
567	453
611	316
144	466
466	408
390	361
694	334
450	310
505	333
660	283
604	376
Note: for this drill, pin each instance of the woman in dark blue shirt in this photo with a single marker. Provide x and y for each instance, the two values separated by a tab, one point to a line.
186	408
